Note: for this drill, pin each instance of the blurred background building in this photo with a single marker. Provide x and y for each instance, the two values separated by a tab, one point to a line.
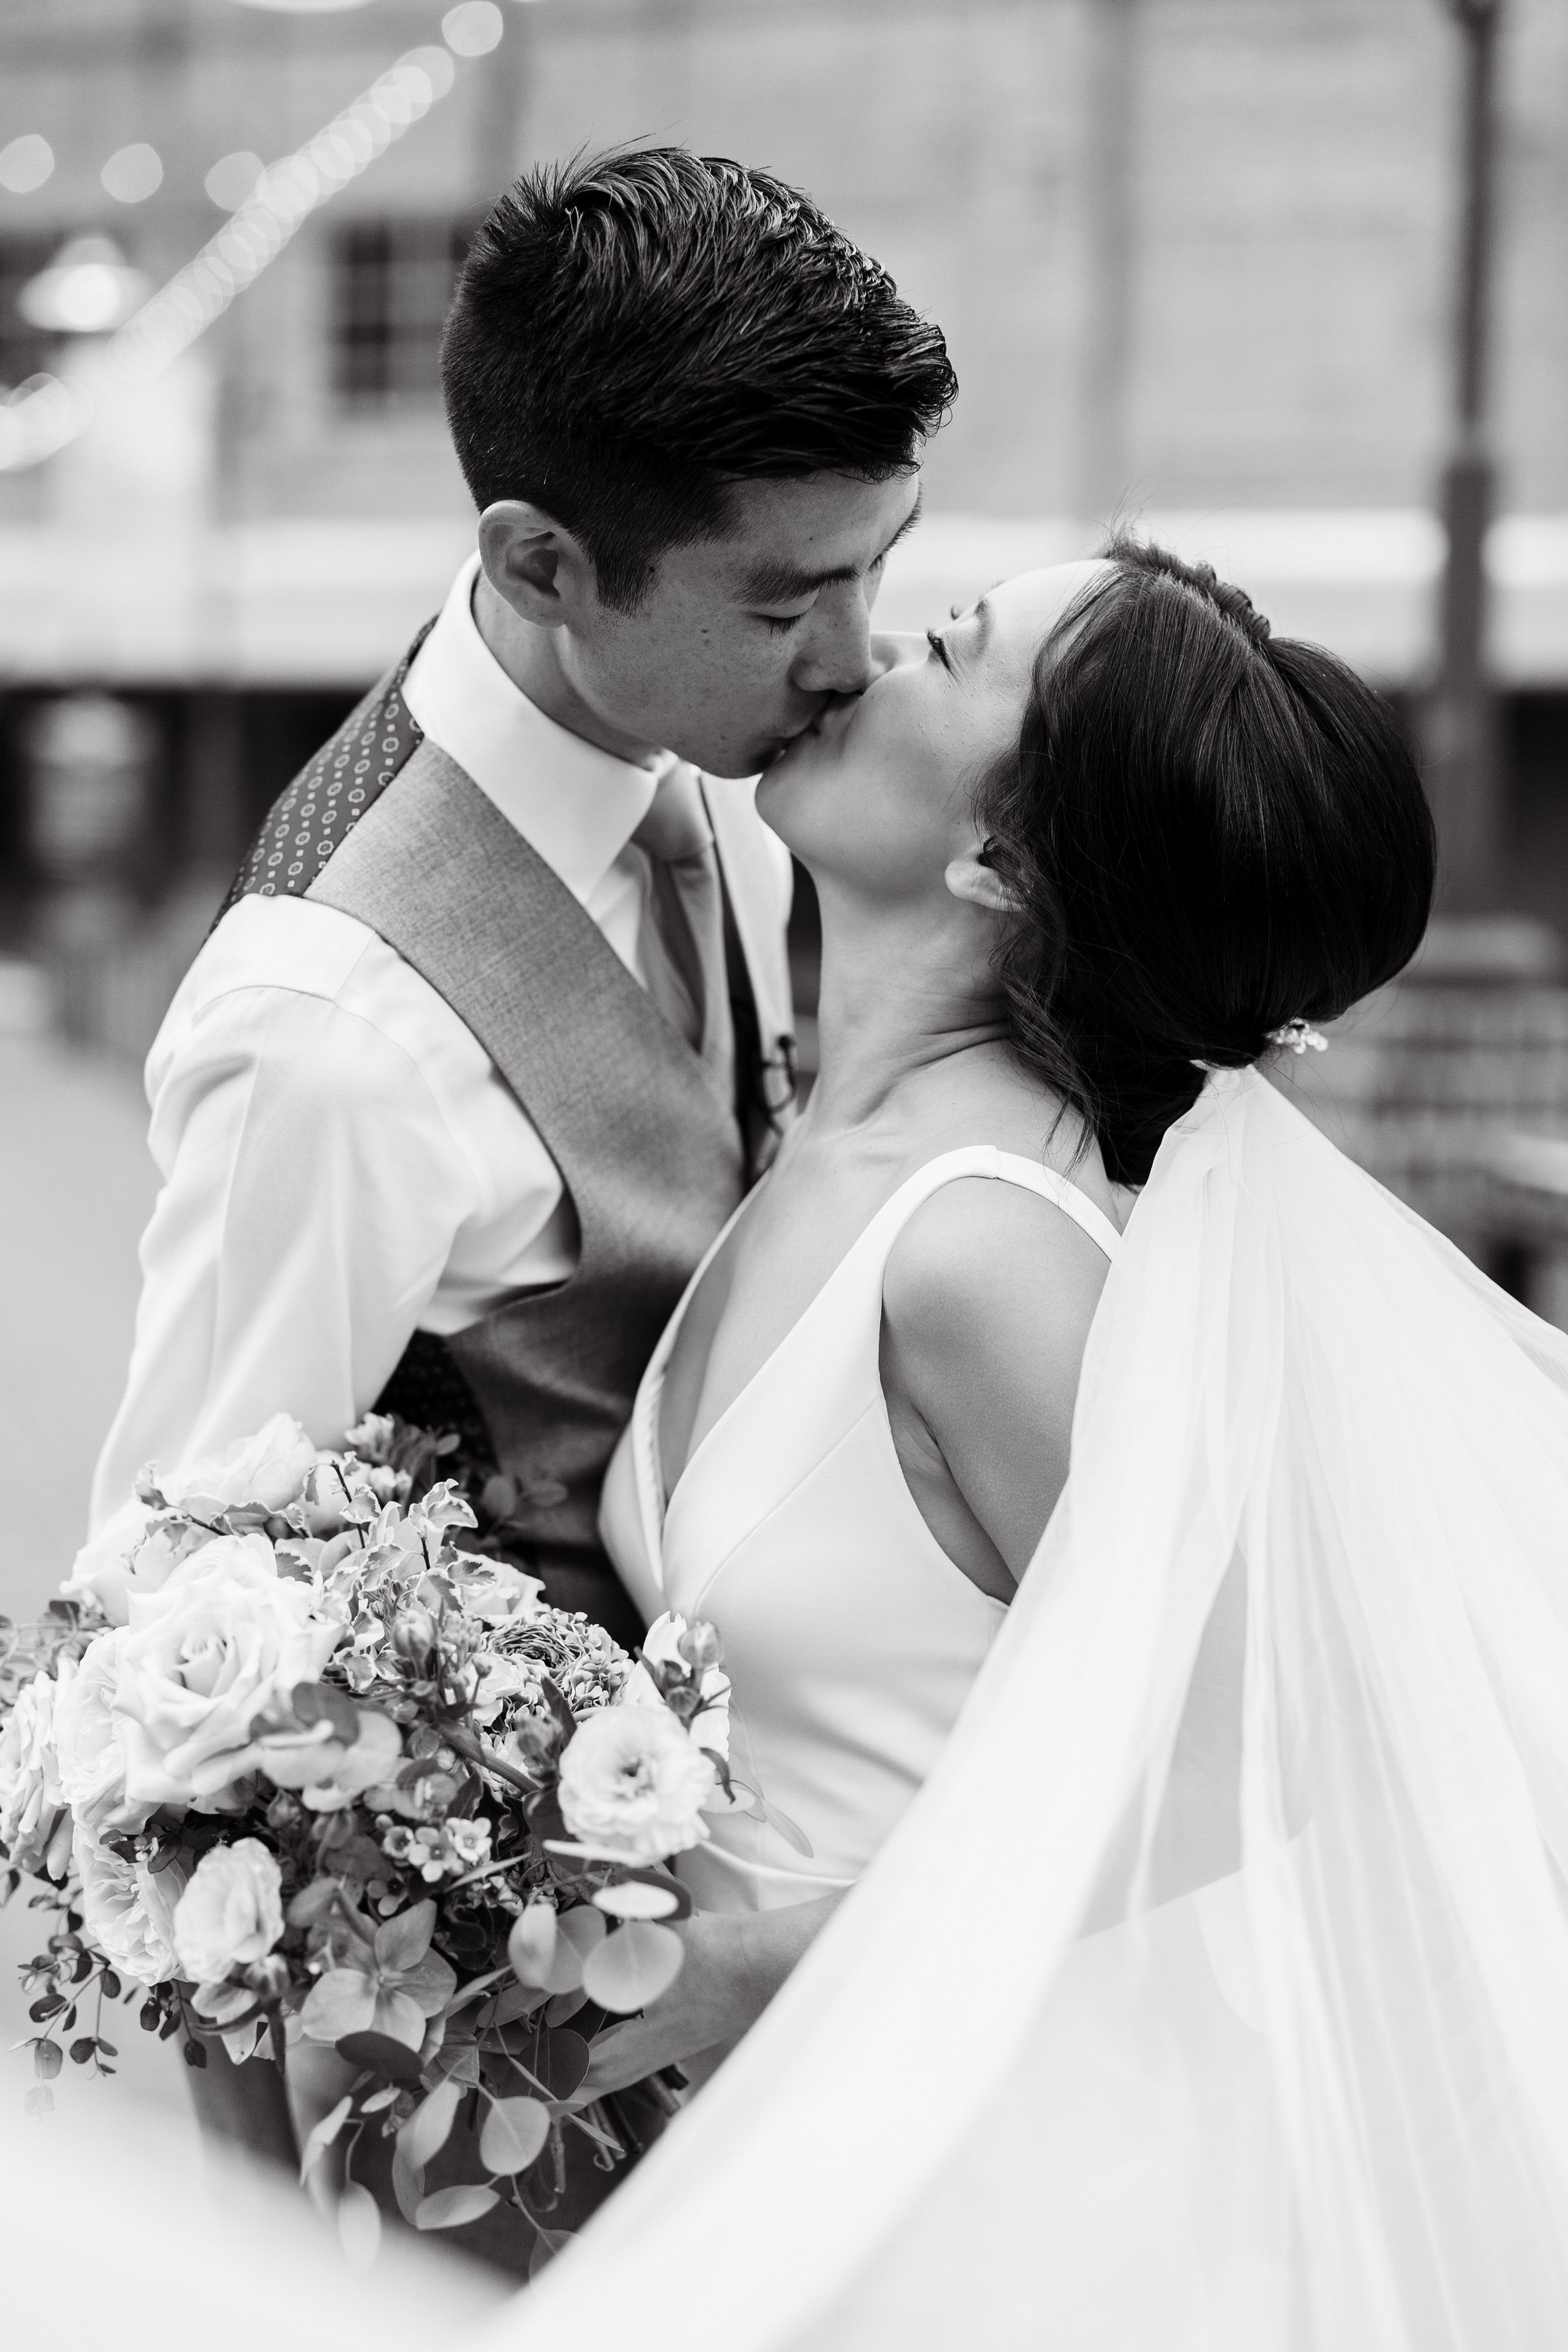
1195	259
1199	264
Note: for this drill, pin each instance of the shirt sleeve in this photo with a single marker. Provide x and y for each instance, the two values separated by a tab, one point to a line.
313	1190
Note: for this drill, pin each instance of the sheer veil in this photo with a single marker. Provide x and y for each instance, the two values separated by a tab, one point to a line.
1213	1993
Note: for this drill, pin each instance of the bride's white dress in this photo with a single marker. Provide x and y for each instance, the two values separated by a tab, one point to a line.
850	1637
1211	1993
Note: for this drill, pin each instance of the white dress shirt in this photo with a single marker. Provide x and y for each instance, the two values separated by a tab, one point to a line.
343	1163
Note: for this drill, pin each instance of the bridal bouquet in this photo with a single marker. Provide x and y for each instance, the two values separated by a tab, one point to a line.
294	1764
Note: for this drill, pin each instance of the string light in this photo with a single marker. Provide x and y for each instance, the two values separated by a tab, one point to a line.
42	415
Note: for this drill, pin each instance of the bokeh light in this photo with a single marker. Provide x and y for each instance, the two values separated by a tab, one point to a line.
472	27
233	179
25	163
88	289
133	173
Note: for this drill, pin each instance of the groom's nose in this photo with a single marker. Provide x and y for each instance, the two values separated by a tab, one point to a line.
837	655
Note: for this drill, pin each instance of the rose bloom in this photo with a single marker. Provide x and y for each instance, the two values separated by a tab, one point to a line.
225	1639
633	1781
35	1826
89	1744
128	1910
128	1555
268	1471
231	1913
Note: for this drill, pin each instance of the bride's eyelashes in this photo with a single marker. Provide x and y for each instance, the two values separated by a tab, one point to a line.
938	648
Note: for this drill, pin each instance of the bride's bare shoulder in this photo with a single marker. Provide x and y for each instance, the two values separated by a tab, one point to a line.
999	1247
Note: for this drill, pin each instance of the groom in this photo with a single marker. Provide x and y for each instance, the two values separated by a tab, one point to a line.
494	1030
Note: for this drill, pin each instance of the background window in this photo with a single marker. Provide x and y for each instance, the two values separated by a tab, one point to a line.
393	280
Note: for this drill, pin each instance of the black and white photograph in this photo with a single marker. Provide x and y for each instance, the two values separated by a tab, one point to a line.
784	1175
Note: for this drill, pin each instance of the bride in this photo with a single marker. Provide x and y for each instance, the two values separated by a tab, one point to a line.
1205	1982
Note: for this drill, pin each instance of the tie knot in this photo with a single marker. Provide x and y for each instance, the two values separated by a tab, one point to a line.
675	825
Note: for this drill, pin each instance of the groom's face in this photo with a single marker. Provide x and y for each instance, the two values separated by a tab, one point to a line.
741	640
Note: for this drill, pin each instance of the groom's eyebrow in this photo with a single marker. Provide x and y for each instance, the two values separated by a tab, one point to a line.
776	583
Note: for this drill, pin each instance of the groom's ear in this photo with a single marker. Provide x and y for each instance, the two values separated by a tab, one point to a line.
971	877
534	563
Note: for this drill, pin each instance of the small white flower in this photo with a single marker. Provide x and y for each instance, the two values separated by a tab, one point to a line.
231	1913
632	1780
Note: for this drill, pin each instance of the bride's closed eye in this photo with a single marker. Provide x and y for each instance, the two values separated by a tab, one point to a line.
938	648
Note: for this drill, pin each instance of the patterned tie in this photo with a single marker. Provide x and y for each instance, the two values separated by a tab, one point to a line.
681	943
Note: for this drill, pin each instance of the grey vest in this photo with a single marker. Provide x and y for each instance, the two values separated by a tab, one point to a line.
652	1157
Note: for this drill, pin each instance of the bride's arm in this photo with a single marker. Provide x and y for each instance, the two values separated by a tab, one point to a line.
987	1303
735	1962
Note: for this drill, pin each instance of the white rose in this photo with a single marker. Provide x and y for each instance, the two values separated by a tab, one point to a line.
268	1471
231	1913
632	1781
128	1555
225	1638
35	1826
329	1772
128	1910
89	1741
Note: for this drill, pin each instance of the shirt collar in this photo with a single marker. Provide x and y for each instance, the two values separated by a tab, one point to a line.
577	805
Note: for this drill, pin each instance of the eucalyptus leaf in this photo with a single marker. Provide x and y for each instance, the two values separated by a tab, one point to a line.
324	2136
449	2208
546	2244
515	2130
530	1947
517	2001
430	2127
381	2054
630	1968
635	1899
559	2061
359	2226
407	2185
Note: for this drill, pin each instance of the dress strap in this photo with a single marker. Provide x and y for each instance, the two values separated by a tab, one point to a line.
1001	1167
1012	1170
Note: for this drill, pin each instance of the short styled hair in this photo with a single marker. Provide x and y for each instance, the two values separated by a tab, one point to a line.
636	332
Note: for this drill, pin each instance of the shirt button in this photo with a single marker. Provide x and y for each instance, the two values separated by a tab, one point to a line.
546	1493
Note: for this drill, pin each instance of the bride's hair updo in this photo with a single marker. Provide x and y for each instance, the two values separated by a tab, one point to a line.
1209	832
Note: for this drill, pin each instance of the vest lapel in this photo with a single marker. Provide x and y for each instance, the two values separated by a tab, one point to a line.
437	870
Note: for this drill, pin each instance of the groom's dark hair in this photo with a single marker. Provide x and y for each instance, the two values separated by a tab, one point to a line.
633	333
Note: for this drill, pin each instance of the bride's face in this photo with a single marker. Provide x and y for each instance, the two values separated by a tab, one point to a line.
879	791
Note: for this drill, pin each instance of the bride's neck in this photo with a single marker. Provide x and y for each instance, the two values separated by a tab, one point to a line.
904	992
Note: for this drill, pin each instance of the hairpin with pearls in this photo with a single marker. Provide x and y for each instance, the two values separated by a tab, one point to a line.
1297	1035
